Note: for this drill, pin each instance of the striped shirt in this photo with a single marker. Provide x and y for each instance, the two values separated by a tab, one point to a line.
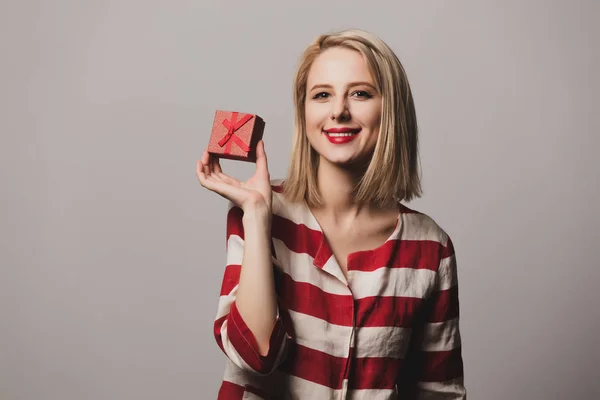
390	330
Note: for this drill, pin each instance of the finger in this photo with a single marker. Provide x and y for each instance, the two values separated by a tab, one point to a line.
229	180
206	169
216	169
211	163
229	192
217	165
202	168
208	182
205	157
261	158
225	178
219	176
201	173
205	173
199	169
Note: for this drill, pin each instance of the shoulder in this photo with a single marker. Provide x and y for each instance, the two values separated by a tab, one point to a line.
421	227
277	185
281	206
287	212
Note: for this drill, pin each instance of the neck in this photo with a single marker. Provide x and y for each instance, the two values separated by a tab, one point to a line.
336	186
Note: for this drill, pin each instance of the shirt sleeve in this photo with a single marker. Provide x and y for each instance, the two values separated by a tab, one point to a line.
231	332
434	361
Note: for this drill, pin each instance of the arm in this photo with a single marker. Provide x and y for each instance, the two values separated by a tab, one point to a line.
247	327
435	356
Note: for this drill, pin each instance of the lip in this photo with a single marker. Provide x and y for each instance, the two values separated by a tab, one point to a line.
342	129
341	139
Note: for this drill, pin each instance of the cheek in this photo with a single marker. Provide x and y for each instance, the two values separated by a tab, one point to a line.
375	117
369	115
314	114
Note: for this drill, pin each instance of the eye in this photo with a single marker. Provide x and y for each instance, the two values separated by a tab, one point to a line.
319	95
363	94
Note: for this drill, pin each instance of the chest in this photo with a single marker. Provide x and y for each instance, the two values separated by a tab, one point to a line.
386	286
344	242
364	235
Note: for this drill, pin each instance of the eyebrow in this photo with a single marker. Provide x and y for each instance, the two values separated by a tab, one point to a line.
324	85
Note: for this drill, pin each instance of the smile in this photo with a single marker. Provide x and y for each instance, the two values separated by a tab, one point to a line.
341	135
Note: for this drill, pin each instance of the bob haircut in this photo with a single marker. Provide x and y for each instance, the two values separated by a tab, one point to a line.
393	171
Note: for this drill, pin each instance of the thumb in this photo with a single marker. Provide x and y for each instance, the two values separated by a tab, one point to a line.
261	158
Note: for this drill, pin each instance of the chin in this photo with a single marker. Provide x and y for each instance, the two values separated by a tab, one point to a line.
351	156
344	161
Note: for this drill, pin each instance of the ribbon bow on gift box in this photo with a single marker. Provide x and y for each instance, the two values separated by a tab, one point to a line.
231	137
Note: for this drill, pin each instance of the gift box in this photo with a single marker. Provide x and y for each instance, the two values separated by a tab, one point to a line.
235	135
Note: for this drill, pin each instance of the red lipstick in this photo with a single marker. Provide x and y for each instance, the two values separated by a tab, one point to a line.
340	135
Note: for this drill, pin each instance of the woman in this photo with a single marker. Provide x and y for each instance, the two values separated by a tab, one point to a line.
333	288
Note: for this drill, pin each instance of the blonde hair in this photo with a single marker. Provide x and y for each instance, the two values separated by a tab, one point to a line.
393	172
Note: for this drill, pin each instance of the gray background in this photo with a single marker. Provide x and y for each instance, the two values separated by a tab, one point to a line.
112	254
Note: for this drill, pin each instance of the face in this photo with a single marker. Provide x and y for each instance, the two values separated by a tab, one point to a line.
340	85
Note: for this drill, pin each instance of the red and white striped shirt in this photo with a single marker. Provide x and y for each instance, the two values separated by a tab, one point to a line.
388	331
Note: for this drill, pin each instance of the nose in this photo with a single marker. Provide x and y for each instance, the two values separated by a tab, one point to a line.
339	109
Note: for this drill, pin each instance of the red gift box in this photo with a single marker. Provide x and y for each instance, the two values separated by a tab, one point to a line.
234	135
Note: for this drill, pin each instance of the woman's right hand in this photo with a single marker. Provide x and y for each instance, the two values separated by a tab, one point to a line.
253	194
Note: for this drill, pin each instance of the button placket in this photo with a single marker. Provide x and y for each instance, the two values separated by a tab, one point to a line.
351	348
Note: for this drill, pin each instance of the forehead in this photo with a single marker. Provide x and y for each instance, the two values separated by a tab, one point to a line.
338	65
